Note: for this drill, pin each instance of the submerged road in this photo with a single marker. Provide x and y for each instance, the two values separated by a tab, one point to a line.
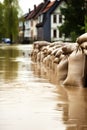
31	99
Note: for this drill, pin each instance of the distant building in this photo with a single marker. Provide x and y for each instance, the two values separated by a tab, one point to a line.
49	20
31	21
43	21
22	27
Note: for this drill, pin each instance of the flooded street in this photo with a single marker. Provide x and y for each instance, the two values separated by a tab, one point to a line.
32	99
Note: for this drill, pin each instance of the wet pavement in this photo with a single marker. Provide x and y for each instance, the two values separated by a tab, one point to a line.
32	99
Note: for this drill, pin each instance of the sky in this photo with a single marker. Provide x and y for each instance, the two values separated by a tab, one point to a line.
26	4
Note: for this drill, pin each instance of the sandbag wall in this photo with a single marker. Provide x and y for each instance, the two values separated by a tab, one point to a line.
67	60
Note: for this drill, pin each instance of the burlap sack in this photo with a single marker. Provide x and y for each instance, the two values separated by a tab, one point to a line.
82	38
40	44
34	54
38	56
76	67
49	51
84	45
62	69
54	51
56	60
59	52
69	48
46	61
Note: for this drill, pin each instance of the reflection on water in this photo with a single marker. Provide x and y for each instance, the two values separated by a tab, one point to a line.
32	99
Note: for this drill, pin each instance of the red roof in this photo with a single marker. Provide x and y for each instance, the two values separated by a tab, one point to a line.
48	6
34	12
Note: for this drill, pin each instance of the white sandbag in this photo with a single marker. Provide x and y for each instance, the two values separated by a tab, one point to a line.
76	66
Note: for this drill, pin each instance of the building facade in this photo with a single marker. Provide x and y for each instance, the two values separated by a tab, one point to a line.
49	20
43	21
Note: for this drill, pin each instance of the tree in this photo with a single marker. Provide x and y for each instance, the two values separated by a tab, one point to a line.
73	18
1	21
85	21
11	9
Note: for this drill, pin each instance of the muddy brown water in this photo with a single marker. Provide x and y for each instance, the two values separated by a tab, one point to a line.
32	99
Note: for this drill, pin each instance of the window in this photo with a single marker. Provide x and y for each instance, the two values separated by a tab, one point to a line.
54	18
40	18
60	18
54	33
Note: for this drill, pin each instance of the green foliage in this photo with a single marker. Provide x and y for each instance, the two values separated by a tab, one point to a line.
85	23
74	18
1	21
73	36
11	18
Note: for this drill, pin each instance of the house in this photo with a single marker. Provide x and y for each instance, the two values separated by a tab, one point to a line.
49	20
22	27
30	32
43	21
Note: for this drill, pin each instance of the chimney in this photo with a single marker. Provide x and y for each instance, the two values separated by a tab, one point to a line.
29	10
34	7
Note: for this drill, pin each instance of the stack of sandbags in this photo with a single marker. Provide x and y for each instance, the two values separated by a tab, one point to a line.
76	69
51	51
62	59
77	63
55	54
37	54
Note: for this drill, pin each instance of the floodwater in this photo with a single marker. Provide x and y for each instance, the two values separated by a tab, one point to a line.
32	99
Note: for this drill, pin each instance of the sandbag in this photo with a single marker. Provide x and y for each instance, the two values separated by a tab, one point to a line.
59	52
46	61
84	45
62	69
69	48
54	51
56	60
76	68
82	38
38	56
40	44
56	43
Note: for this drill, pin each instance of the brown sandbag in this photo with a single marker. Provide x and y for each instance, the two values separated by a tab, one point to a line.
40	44
59	52
56	43
54	51
69	48
76	68
84	45
56	60
82	38
62	69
